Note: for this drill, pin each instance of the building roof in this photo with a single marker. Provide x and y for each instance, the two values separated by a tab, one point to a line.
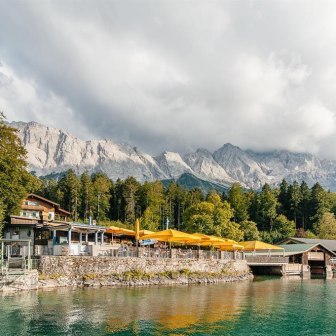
50	202
330	244
77	227
292	249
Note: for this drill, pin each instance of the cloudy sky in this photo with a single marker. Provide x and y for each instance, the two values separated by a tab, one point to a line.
175	74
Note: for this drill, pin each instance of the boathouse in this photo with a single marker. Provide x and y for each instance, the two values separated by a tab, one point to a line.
308	260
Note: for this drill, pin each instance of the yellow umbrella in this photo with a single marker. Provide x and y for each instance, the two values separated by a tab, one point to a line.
120	231
212	240
172	236
145	232
230	247
256	245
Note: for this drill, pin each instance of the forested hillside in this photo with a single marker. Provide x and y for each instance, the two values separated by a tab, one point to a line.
269	214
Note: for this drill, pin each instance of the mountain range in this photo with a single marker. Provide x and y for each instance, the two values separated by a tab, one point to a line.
52	150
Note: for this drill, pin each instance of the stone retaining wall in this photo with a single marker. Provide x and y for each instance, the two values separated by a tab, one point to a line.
66	271
74	267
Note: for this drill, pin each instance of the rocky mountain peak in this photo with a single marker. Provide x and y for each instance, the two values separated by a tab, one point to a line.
51	150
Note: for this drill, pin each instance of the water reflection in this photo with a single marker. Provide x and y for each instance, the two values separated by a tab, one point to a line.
232	309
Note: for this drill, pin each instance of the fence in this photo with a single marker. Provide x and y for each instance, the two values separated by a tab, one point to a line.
264	259
147	252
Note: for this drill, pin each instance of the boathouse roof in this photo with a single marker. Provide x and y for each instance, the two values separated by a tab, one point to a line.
328	243
291	249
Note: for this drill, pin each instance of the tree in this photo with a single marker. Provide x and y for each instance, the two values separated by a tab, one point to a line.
86	196
212	218
148	222
69	185
283	227
294	197
130	196
199	218
267	208
15	181
304	204
283	198
101	185
250	230
327	226
2	216
239	202
318	204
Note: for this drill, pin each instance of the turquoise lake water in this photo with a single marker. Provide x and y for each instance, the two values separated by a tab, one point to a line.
266	306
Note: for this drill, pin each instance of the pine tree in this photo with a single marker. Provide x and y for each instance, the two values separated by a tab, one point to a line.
101	185
294	198
304	205
239	202
69	185
86	197
267	208
130	196
318	204
283	198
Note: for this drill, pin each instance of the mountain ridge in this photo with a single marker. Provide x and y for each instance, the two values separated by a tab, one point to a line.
52	150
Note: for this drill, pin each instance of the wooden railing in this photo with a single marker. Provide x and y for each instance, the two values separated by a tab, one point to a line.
266	259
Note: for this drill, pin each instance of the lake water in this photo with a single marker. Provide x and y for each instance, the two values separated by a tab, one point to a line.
266	306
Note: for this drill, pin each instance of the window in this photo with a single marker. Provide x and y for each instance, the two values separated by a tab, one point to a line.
32	203
51	215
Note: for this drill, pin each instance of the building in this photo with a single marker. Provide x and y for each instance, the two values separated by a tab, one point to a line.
308	260
47	226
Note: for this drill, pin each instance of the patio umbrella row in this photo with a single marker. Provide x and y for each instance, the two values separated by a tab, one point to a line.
198	239
174	236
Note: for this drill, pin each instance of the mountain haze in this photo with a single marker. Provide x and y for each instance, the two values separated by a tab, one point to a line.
51	150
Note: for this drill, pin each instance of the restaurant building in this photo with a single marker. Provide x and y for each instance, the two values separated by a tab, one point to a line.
50	231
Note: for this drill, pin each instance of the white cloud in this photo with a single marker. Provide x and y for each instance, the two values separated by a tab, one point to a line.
174	75
21	99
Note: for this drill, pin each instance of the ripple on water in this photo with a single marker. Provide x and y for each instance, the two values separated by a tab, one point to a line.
265	307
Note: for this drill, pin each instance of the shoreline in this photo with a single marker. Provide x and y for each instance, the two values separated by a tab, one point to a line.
156	280
35	281
71	271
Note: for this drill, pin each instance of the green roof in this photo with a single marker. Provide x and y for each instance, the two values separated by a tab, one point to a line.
291	249
297	248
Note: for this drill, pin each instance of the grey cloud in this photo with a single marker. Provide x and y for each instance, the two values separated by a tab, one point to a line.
174	75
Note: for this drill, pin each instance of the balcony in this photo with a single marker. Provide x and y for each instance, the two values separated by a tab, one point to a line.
32	207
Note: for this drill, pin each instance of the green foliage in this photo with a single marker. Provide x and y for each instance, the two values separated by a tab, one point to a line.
101	185
149	221
2	216
239	202
213	218
283	227
266	208
250	230
130	196
69	188
326	228
199	218
86	197
15	181
318	204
